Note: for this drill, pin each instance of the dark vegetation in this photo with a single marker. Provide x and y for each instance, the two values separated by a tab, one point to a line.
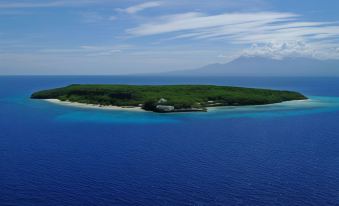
180	96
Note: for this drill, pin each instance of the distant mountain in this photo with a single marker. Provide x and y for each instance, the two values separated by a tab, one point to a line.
259	66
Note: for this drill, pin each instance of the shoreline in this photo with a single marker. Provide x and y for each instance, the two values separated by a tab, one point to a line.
139	109
94	106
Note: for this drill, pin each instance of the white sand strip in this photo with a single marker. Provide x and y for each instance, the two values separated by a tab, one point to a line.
94	106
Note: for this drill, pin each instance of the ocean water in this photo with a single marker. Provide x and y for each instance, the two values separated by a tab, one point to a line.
282	154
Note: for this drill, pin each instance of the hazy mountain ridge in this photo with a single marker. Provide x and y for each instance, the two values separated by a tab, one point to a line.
260	66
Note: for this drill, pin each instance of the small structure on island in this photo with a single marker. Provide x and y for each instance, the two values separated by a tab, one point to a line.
162	101
164	108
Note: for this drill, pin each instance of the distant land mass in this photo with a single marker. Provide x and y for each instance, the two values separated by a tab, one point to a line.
260	66
167	98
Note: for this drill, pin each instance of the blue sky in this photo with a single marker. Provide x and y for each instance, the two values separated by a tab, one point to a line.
130	36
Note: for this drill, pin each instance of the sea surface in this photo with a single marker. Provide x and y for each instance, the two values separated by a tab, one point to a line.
282	154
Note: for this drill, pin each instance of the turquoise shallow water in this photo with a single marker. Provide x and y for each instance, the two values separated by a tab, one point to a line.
281	154
315	104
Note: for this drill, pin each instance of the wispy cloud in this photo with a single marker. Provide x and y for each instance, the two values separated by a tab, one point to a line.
88	50
96	17
197	23
103	50
112	18
14	13
140	7
92	17
46	4
239	5
275	29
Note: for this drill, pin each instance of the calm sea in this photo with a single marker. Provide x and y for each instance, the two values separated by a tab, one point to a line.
286	154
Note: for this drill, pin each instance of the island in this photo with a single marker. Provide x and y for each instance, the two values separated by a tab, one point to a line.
167	98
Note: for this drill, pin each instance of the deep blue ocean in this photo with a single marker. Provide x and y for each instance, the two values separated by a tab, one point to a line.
285	154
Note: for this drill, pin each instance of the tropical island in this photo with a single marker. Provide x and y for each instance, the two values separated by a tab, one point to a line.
167	98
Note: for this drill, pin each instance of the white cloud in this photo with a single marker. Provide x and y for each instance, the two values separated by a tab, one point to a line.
283	49
280	50
140	7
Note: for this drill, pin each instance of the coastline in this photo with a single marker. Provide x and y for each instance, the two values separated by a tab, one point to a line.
286	103
139	109
94	106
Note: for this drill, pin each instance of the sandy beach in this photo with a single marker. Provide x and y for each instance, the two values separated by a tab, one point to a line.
94	106
295	103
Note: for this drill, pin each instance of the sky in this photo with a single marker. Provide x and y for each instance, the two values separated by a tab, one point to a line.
134	36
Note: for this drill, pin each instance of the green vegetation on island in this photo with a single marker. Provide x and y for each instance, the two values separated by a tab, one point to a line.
167	98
